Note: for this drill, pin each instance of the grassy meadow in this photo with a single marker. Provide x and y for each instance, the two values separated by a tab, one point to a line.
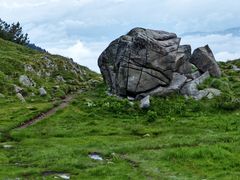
174	139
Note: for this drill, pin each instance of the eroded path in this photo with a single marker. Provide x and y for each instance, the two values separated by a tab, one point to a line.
65	102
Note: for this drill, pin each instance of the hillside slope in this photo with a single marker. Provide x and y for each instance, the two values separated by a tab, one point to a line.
176	138
26	70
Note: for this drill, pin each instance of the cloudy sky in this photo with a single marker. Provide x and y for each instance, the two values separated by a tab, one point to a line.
82	29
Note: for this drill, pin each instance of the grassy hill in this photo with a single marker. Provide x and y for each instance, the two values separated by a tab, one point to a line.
57	74
176	138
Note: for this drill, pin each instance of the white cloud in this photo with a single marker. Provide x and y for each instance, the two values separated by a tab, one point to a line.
83	53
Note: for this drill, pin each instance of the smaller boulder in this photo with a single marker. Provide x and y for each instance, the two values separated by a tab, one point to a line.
235	68
18	89
42	91
191	88
21	98
145	102
1	95
24	80
204	60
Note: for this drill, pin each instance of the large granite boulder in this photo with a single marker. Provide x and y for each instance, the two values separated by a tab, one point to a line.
204	60
148	62
140	61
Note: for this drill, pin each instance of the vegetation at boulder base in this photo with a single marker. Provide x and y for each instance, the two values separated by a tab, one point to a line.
176	138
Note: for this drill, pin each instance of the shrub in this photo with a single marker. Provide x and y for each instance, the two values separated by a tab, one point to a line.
227	102
221	85
151	116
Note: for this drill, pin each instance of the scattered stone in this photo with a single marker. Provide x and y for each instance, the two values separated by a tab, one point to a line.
146	135
64	176
235	68
212	92
130	98
21	98
95	156
18	89
145	102
2	95
191	88
29	68
60	79
204	60
42	91
7	146
24	80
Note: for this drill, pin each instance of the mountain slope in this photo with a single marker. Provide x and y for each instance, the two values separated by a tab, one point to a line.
58	75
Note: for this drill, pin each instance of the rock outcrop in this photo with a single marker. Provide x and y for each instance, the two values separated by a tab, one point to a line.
204	60
139	61
148	62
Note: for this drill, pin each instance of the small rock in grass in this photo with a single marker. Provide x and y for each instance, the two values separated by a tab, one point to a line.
95	156
64	176
145	102
7	146
146	135
42	91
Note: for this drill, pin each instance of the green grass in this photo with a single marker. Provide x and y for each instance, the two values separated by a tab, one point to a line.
176	138
13	112
45	70
186	139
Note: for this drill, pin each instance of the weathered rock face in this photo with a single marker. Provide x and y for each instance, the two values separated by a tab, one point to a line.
183	66
204	60
149	62
139	61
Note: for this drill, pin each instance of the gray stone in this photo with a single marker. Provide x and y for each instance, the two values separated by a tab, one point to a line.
235	68
183	66
175	86
42	91
194	75
140	61
204	60
21	98
60	79
18	89
24	80
145	102
191	88
29	68
2	95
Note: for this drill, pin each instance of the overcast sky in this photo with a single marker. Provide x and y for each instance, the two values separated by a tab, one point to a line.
82	29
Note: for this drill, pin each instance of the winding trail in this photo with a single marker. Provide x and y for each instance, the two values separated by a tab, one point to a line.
65	102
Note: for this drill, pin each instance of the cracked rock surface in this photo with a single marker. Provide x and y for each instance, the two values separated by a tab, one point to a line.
149	62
